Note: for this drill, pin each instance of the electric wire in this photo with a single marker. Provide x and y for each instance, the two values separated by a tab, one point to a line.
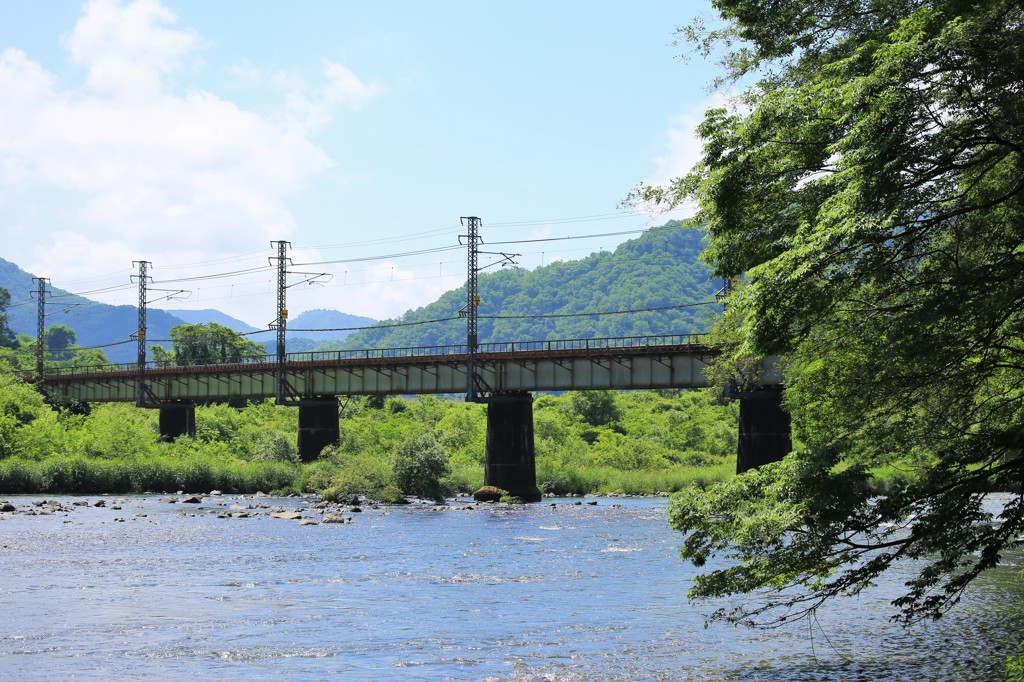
404	254
363	259
219	275
395	325
596	314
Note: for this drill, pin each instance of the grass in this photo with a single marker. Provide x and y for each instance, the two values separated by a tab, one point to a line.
137	475
79	474
602	479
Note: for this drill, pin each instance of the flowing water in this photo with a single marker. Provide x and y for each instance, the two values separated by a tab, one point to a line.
143	589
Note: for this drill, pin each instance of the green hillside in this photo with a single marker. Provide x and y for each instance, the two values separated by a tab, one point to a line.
660	269
94	323
657	272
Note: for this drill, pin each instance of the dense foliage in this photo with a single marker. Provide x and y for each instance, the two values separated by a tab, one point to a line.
868	188
206	344
7	337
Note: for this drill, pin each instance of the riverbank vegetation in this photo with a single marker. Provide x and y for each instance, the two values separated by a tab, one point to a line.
596	442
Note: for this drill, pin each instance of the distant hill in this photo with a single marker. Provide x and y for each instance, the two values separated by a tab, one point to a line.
338	324
99	324
95	324
327	319
209	315
657	273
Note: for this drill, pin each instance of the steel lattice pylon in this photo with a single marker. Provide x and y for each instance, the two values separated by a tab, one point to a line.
281	323
40	325
473	241
140	377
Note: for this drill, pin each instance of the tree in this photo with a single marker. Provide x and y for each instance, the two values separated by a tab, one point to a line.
87	357
57	339
206	344
869	190
597	408
8	339
420	465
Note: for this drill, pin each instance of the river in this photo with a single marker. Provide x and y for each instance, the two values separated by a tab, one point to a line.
141	589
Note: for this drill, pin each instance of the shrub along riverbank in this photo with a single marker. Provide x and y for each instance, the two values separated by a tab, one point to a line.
595	442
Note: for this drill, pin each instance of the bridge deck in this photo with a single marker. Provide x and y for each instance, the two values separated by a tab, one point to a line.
636	363
578	364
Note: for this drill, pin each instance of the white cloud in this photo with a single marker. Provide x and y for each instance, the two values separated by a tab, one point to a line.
309	114
682	148
128	49
138	168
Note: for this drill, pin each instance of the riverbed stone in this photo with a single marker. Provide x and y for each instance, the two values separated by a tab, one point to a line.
99	503
7	507
192	499
336	518
288	516
488	493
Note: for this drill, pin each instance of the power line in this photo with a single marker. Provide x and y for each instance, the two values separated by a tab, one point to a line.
105	290
379	326
606	312
583	236
219	275
384	240
403	254
106	345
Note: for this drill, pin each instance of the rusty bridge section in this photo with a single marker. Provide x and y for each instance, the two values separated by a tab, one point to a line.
648	362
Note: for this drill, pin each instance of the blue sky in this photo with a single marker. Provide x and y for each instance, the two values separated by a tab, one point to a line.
192	133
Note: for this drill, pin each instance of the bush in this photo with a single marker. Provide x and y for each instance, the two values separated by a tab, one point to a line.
275	446
1015	666
343	477
420	465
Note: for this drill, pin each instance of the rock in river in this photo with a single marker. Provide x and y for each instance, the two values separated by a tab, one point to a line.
289	516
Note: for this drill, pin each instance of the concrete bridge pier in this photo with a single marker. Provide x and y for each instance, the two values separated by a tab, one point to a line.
510	460
318	425
177	419
764	428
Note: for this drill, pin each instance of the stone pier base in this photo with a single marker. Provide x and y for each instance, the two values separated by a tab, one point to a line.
510	462
177	419
318	425
764	429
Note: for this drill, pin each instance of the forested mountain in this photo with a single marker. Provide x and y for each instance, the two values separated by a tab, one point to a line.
658	272
99	324
336	325
95	324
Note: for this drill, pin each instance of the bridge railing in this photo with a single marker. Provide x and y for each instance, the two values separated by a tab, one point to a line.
593	344
508	347
376	353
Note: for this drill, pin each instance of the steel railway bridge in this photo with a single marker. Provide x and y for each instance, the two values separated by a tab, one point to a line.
502	375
